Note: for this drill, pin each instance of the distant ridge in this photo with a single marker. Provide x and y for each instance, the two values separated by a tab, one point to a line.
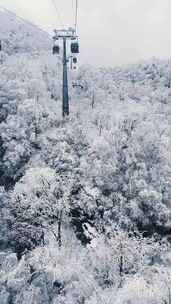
22	19
20	35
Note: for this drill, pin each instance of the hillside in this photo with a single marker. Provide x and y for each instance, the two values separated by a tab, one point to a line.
85	212
19	35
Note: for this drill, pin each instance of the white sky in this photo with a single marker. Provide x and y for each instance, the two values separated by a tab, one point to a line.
111	31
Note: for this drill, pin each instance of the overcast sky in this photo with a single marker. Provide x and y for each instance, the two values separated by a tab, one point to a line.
111	31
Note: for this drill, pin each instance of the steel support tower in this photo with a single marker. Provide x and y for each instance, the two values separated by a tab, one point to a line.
65	35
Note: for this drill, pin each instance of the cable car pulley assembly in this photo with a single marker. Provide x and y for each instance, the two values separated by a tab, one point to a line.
72	35
74	46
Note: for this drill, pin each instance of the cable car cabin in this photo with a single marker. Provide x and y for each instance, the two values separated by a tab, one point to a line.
56	49
74	60
75	48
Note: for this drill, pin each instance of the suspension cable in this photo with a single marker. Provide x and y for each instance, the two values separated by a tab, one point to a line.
57	12
76	15
73	11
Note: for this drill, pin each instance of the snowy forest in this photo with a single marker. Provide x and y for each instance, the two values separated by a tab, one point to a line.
85	201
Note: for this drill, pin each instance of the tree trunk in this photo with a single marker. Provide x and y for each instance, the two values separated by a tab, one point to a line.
60	229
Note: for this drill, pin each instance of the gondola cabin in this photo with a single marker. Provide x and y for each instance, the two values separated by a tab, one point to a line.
75	48
74	60
56	49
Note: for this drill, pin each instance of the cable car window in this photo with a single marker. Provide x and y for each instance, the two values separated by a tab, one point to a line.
75	48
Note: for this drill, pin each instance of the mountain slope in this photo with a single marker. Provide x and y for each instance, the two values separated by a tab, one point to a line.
19	35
